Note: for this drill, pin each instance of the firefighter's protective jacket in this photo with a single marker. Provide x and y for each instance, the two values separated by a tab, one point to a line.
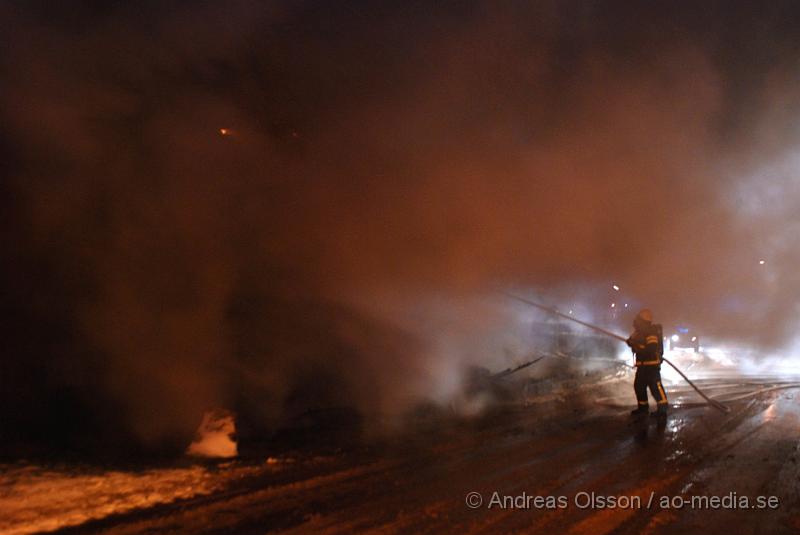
647	344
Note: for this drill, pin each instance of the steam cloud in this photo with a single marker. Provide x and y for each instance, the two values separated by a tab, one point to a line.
381	170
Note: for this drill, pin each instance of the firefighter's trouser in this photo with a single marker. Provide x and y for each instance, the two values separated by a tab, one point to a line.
649	376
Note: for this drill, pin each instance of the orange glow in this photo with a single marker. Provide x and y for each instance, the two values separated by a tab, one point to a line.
214	435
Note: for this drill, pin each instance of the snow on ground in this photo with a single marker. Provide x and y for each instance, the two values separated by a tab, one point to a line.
36	498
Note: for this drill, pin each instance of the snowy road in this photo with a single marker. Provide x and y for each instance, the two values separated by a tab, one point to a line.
566	464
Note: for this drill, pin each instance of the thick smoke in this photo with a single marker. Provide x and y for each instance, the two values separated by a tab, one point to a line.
380	170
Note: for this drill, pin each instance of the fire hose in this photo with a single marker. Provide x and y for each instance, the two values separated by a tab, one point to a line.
716	404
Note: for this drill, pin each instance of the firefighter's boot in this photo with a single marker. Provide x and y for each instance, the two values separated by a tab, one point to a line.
661	411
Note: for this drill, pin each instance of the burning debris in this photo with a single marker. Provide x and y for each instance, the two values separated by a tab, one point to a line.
215	436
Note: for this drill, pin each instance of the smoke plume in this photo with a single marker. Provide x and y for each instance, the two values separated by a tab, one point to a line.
306	205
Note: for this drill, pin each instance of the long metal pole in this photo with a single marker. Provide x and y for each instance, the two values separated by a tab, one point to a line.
551	310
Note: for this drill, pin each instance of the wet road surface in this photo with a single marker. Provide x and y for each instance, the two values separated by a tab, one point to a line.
580	453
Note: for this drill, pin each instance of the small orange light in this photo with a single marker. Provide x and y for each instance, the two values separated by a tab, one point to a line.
224	131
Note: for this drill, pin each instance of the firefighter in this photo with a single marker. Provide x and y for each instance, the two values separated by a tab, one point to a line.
647	343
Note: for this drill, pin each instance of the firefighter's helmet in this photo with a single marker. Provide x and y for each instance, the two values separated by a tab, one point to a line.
642	319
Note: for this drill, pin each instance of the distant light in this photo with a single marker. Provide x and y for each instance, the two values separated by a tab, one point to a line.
224	131
626	305
694	338
675	338
570	311
615	287
613	305
762	262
